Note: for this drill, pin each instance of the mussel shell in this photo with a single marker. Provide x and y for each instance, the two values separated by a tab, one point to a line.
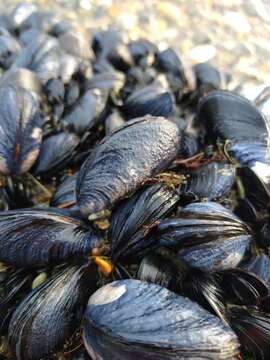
21	13
253	330
243	287
55	153
41	20
76	42
207	75
51	313
55	91
148	100
142	51
131	219
169	62
260	266
21	132
65	195
85	113
124	160
130	319
212	181
9	47
189	144
207	236
111	81
229	116
40	237
113	122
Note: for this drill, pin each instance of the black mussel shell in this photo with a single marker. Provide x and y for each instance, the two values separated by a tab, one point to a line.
256	191
39	237
260	266
42	55
243	287
207	75
207	236
17	282
142	51
166	270
55	153
124	160
229	116
189	146
50	314
72	93
263	235
111	81
134	216
85	113
55	91
130	319
113	122
253	330
76	42
148	101
65	195
212	181
21	132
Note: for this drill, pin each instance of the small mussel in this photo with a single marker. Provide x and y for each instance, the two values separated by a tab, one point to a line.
51	313
129	223
124	160
212	181
206	235
130	319
21	132
39	237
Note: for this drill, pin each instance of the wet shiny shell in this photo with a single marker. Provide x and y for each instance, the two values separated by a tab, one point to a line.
207	236
129	223
40	237
21	133
65	195
55	153
50	314
211	181
131	319
124	160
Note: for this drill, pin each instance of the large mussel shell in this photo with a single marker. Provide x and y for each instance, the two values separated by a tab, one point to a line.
124	160
129	222
85	113
212	181
65	195
50	314
132	319
253	330
148	101
55	153
207	236
20	130
39	237
229	116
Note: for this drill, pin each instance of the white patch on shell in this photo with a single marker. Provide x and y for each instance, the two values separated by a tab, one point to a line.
107	294
36	134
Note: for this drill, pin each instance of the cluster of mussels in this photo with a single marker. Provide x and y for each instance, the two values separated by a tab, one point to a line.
134	216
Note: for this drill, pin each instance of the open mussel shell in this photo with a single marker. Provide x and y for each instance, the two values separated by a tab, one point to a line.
252	327
130	319
55	153
148	101
206	235
65	195
212	181
49	315
40	237
229	116
129	222
21	131
124	160
243	287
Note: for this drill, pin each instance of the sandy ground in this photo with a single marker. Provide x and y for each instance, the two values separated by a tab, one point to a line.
232	34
